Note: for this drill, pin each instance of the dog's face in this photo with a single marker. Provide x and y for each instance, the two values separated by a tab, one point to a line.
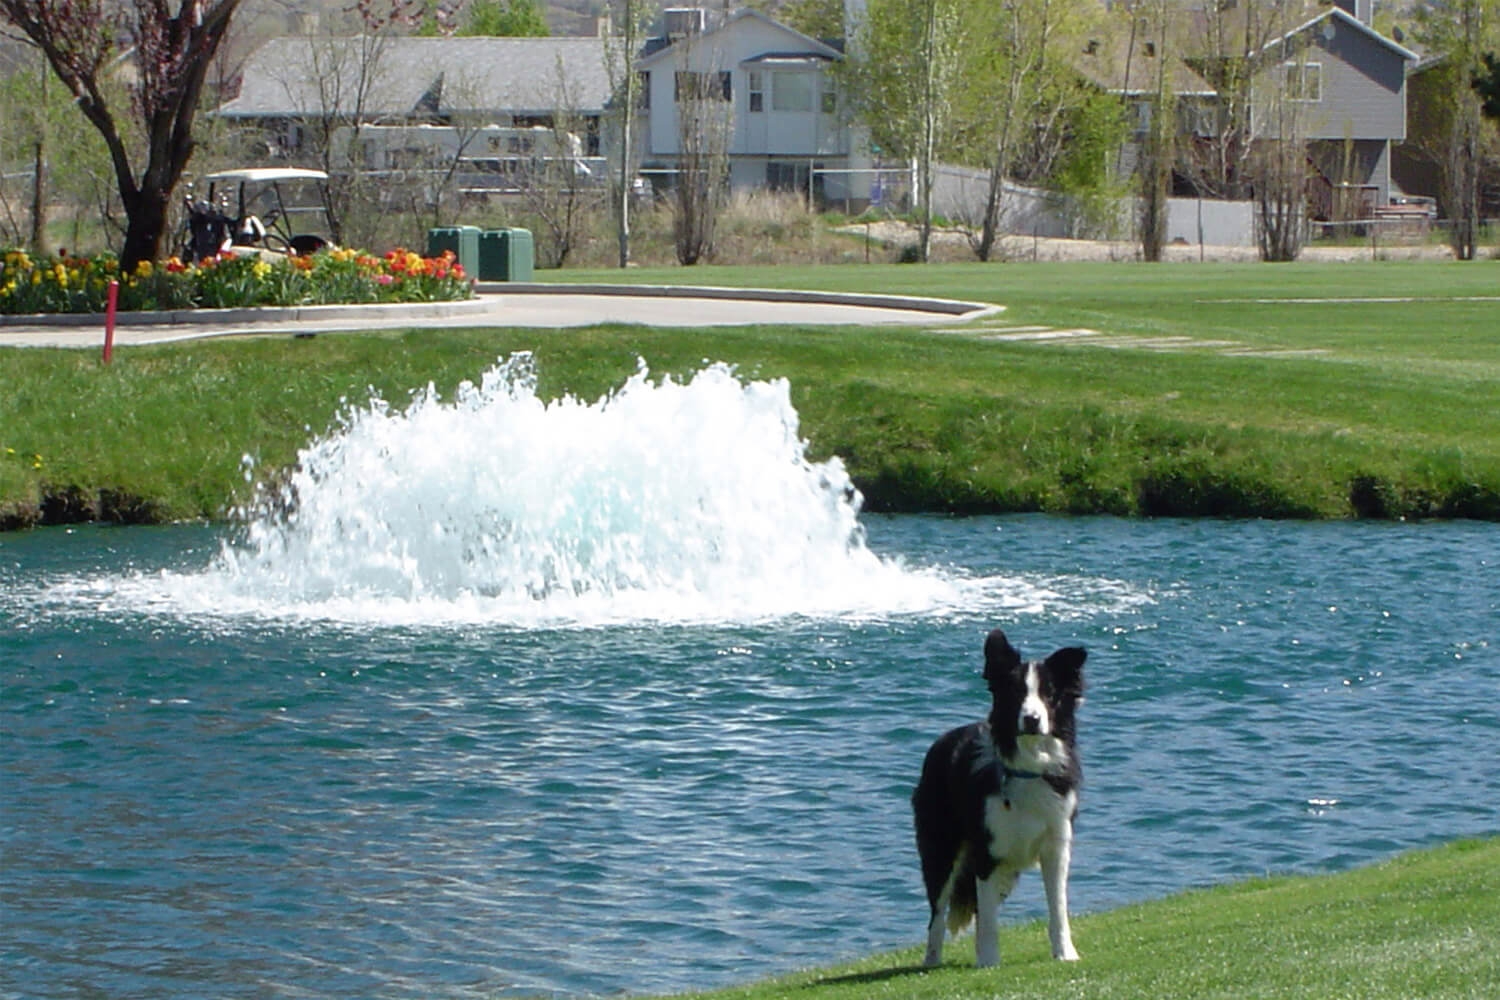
1036	699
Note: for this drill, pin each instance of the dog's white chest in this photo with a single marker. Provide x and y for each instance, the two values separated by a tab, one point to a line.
1022	817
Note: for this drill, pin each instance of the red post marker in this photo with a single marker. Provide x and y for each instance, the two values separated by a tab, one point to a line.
109	320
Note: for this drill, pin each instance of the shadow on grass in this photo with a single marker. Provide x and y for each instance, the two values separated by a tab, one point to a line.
860	978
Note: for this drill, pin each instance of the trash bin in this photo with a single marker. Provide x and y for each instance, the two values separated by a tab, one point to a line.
506	255
463	241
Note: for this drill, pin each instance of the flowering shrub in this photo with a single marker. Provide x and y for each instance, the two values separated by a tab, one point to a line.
65	284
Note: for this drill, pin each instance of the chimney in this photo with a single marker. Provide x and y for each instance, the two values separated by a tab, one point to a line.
1362	11
854	13
678	22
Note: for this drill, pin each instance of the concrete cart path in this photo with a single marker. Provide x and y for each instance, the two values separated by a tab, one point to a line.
528	305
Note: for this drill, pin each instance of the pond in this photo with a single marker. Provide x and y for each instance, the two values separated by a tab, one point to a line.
370	761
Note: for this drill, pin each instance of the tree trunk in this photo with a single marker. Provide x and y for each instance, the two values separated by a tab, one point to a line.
39	200
1461	177
145	225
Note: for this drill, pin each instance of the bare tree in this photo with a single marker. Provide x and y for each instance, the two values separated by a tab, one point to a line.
1021	62
704	126
1463	32
25	130
555	186
77	199
620	50
173	52
1278	163
1158	153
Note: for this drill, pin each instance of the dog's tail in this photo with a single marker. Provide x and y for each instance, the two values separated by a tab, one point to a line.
964	902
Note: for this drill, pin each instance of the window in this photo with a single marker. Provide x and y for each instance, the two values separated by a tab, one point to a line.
828	99
755	87
1304	81
787	177
1142	115
791	91
643	90
706	86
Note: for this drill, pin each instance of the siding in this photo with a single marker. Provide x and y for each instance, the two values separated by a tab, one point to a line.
1364	86
767	132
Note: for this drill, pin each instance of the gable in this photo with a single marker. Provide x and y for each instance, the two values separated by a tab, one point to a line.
745	36
1358	77
1342	22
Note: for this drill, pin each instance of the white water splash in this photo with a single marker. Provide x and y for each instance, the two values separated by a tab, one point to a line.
664	501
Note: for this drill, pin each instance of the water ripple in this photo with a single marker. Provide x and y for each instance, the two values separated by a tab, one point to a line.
263	806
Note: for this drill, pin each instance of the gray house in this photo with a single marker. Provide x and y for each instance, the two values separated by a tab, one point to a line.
780	103
1348	83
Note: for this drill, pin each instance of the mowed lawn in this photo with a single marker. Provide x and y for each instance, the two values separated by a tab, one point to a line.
1304	390
1422	925
1427	311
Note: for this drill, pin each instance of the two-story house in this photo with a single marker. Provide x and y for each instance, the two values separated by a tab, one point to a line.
1347	83
781	102
1327	80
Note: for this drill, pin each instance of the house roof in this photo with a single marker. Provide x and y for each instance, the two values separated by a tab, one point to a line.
1120	69
290	76
1339	16
797	44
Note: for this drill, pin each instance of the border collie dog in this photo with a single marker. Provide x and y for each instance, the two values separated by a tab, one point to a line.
999	797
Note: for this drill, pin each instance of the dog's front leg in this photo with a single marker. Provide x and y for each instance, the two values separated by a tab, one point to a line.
1055	864
991	892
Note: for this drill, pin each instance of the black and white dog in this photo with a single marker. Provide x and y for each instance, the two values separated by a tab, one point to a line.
999	797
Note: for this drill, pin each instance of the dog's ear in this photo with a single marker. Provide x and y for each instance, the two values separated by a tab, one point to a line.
1066	669
1000	656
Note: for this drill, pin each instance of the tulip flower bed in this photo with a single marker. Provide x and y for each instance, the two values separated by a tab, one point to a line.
66	284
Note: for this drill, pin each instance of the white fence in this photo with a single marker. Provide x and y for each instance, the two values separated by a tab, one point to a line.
959	193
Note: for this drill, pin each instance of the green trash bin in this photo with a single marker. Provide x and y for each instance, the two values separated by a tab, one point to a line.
506	255
463	241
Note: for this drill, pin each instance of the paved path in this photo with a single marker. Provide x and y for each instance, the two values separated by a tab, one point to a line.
558	306
530	305
994	328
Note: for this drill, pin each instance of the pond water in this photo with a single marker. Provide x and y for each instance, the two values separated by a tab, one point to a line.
340	755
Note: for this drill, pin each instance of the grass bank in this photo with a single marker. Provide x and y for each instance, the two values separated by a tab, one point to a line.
1234	390
1421	925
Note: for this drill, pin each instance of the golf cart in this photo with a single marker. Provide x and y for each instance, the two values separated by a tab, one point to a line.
281	210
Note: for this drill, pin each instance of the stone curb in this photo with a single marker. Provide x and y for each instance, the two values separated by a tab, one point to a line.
914	303
442	310
261	314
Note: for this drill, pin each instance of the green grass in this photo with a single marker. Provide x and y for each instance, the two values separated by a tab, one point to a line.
1447	323
1423	925
1394	418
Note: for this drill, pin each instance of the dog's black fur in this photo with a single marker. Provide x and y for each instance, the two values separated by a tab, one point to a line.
999	796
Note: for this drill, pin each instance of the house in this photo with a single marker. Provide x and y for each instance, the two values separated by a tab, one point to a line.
1330	80
1135	71
1350	83
407	100
780	103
